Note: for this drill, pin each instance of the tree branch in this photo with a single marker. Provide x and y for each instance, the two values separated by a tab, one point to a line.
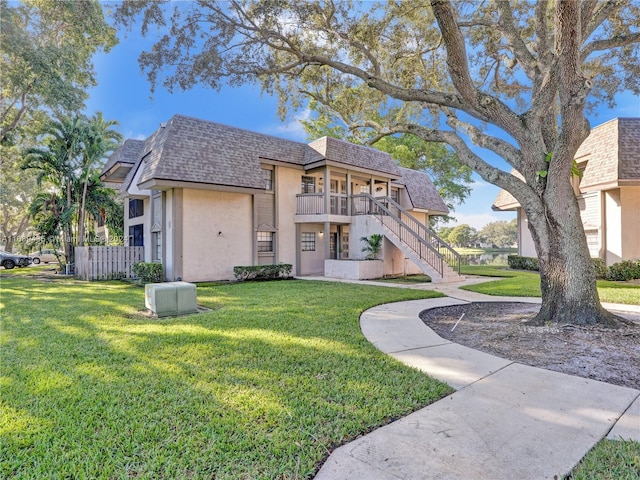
609	43
507	27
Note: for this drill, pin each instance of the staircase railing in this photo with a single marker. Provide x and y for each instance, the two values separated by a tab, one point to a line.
453	258
365	204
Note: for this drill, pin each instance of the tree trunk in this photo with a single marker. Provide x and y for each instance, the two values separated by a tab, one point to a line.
567	275
81	216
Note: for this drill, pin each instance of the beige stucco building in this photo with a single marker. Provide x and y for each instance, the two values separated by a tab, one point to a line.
202	197
608	193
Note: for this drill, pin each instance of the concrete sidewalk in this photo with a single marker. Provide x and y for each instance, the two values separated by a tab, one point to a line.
505	420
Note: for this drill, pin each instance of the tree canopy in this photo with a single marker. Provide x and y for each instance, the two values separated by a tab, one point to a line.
511	77
502	234
67	159
45	67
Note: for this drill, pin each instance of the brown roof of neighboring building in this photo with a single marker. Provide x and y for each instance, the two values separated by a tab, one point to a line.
611	152
422	193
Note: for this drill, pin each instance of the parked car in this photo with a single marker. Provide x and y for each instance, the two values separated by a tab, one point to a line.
10	260
45	256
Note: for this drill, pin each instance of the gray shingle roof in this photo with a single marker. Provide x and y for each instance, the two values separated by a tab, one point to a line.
188	149
192	150
347	153
129	152
422	192
611	154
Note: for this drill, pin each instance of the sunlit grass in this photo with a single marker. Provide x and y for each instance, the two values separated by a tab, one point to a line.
262	386
610	460
518	283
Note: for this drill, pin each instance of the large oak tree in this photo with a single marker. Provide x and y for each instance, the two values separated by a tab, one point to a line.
510	76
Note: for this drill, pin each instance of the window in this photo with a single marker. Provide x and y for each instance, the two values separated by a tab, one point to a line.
136	207
136	236
395	195
308	241
156	240
267	176
308	184
265	241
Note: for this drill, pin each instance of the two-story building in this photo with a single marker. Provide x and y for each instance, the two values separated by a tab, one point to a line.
202	197
608	193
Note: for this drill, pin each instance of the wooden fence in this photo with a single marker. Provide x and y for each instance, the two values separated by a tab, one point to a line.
106	263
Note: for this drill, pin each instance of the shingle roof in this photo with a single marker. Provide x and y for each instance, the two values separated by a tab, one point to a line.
629	148
422	192
347	153
128	152
611	154
193	150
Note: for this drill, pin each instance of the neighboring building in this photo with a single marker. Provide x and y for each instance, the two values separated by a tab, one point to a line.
608	193
202	197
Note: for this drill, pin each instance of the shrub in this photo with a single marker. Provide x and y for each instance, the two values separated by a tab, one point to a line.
262	272
623	271
523	263
148	272
600	268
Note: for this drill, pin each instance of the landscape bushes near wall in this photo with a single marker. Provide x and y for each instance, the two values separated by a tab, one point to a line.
262	272
621	271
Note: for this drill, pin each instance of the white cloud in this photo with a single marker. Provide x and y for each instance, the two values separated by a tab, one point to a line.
294	130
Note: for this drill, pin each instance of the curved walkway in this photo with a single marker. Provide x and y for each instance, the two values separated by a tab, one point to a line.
505	421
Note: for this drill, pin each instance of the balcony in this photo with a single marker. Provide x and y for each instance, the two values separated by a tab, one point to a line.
314	204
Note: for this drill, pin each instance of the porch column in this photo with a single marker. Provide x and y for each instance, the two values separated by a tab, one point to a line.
349	193
298	269
327	190
327	241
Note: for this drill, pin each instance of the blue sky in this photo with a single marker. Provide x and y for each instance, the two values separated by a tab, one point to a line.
124	94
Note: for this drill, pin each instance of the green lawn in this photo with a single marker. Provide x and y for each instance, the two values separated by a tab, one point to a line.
610	460
262	386
519	283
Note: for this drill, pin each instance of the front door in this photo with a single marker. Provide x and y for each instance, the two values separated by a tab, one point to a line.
333	245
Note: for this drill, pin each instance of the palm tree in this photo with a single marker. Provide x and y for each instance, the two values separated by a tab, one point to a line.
373	245
99	138
57	163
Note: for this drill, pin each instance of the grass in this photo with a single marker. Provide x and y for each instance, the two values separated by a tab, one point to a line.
480	251
610	460
519	283
263	386
407	279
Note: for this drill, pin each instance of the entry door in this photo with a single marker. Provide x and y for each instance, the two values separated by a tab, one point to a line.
333	244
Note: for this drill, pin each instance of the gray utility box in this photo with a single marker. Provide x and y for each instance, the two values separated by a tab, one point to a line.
170	298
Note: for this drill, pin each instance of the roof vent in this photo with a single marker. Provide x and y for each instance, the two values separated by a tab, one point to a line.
163	124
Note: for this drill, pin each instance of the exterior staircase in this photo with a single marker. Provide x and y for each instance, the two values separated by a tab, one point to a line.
434	256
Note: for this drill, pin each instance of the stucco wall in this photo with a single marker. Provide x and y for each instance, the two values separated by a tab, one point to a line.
287	186
312	262
526	247
630	200
613	216
217	234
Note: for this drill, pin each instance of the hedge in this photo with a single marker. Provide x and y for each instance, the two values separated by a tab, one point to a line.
523	263
148	272
621	272
624	271
262	272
